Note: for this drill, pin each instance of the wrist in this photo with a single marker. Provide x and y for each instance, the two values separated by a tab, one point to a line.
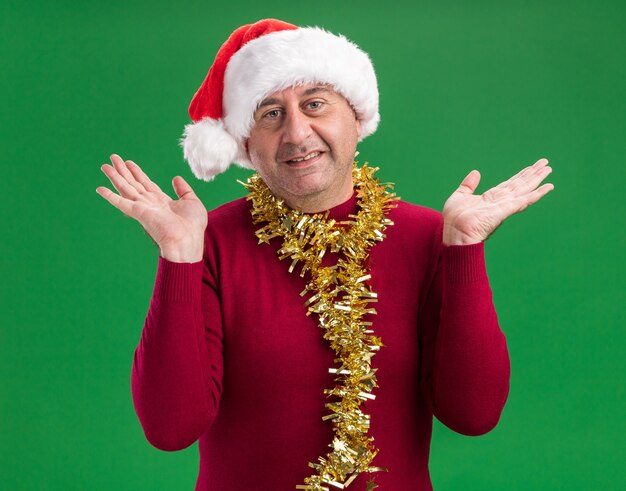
191	252
451	237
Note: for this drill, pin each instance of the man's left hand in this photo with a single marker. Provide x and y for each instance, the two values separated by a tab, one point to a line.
470	218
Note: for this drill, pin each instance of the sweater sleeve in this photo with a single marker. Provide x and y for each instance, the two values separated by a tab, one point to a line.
176	378
465	367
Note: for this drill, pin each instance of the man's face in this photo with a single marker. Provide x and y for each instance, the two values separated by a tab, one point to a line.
309	121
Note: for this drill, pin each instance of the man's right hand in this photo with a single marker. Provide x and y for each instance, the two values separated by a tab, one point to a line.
177	226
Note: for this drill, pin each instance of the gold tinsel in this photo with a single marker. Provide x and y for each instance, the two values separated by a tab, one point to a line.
341	297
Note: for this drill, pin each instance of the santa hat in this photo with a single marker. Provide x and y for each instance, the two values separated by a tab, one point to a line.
257	60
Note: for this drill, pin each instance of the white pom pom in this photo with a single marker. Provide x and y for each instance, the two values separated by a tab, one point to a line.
208	148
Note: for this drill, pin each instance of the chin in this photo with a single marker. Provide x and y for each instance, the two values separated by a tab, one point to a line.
308	189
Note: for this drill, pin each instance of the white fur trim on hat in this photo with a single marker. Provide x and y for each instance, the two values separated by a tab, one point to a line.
208	148
286	58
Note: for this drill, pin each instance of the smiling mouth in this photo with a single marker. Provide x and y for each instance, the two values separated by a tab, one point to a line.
306	158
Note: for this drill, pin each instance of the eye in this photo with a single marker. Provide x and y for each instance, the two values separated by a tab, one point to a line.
315	104
273	114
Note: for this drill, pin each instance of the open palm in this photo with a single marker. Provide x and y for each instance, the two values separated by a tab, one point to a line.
470	218
170	223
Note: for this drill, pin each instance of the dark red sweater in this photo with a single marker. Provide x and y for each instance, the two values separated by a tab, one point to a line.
228	357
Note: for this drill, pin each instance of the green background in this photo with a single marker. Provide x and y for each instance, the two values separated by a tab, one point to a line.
487	85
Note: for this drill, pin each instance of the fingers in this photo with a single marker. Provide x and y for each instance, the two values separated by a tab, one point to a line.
119	182
182	189
539	193
470	183
122	169
141	177
522	202
527	170
527	179
518	192
122	204
532	178
134	187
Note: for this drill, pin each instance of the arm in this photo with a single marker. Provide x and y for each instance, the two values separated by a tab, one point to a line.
177	369
465	366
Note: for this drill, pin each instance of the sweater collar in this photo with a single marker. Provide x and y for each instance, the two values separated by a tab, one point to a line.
342	210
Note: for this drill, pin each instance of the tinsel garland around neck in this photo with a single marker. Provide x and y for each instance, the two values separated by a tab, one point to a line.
341	298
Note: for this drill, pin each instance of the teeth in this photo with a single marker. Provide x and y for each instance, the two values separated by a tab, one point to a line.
310	156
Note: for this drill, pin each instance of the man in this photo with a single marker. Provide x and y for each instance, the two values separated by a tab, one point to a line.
398	322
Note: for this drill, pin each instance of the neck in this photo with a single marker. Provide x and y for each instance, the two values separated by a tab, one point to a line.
317	204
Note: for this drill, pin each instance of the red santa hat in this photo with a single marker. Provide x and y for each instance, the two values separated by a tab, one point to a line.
257	60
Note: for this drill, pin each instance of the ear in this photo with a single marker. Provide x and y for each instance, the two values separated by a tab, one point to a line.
357	121
245	146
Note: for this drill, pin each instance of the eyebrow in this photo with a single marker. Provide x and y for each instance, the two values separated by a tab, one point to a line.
267	102
312	90
315	90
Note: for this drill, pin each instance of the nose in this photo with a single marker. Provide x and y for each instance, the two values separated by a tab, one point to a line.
297	128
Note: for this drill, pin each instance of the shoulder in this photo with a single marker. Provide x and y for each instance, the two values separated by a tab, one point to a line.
230	222
412	241
415	228
416	219
232	210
